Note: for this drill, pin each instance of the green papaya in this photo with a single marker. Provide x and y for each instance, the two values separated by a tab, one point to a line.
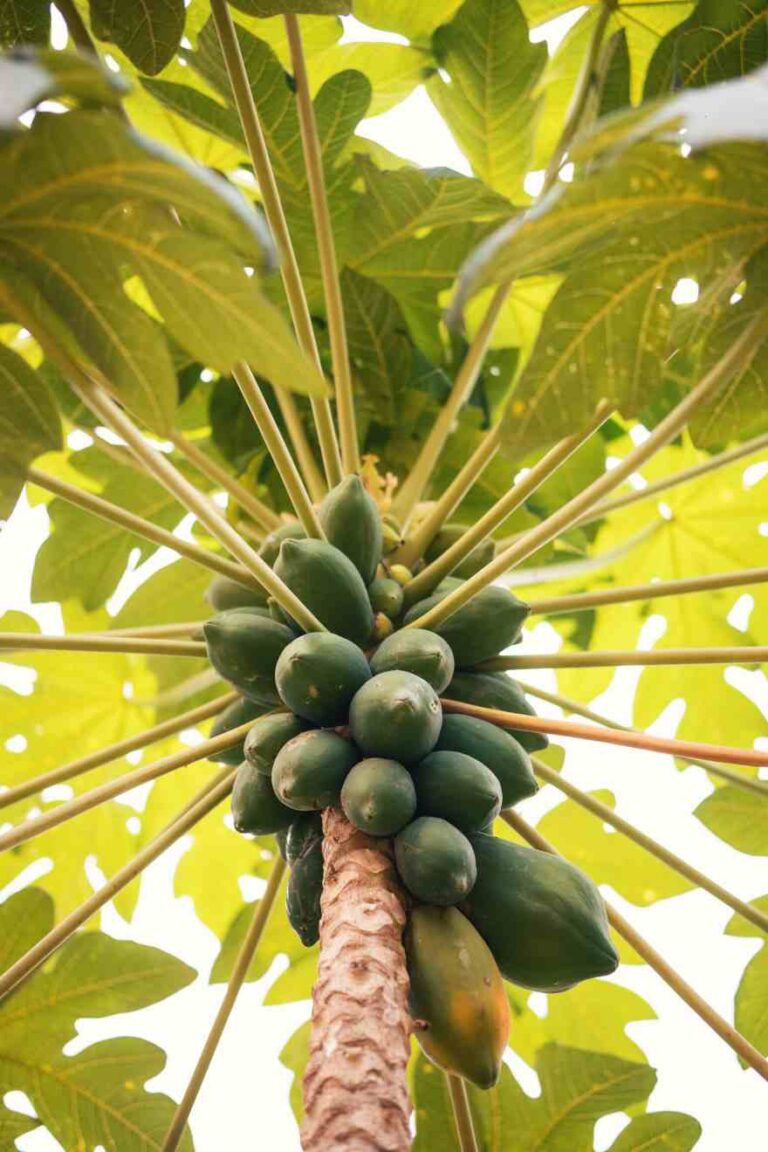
309	770
303	893
497	690
457	788
386	596
542	918
304	831
239	712
318	674
223	594
270	545
351	521
481	628
495	747
436	861
255	808
448	535
416	650
267	736
327	582
379	797
243	647
457	995
397	716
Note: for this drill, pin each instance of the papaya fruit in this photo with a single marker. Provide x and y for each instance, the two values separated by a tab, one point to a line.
351	521
378	796
481	628
386	596
305	830
281	837
401	574
436	861
309	770
223	594
397	716
542	918
416	650
238	712
382	628
480	555
303	892
457	995
318	674
457	788
497	690
328	583
243	646
267	736
494	747
255	808
270	545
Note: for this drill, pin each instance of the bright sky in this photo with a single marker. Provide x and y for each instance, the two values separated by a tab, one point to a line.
244	1103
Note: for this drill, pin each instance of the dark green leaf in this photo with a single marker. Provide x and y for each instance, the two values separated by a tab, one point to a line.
149	33
29	424
721	39
24	22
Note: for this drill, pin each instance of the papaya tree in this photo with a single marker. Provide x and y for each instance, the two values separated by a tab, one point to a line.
320	436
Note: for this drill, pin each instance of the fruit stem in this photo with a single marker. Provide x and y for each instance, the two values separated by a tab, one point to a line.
52	817
734	1039
289	267
418	478
100	642
237	978
743	654
278	450
116	751
462	1113
337	332
551	461
202	803
89	502
262	516
518	720
732	364
355	1086
607	814
426	530
654	590
569	705
189	628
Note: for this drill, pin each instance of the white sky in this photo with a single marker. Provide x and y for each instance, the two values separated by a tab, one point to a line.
244	1103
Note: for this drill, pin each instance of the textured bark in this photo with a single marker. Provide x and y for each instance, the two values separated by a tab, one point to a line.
355	1091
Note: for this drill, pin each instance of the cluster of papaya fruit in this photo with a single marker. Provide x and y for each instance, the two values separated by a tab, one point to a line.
352	717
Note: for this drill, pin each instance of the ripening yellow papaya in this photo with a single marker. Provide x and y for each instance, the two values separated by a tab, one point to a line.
457	995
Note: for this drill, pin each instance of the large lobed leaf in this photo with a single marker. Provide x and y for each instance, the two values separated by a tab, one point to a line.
96	1097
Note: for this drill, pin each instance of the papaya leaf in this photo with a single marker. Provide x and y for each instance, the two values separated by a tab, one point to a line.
29	424
751	1009
78	704
577	1088
24	22
149	33
95	1097
732	814
294	1057
29	78
414	21
379	349
594	1016
265	8
719	40
659	1132
488	98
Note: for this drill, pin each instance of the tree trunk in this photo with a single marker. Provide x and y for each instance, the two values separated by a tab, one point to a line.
355	1090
